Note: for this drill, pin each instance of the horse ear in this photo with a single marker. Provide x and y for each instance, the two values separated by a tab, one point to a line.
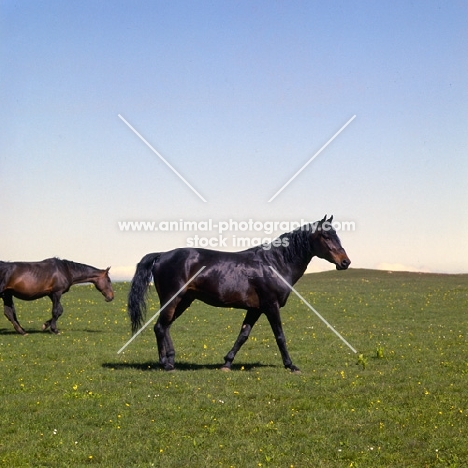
331	219
107	269
324	219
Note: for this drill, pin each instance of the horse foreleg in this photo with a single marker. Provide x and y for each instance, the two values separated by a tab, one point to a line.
10	313
57	311
274	318
250	319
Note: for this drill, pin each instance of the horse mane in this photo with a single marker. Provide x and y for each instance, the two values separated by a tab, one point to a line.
296	244
79	268
293	246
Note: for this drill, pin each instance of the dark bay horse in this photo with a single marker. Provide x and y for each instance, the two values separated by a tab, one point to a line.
242	280
52	277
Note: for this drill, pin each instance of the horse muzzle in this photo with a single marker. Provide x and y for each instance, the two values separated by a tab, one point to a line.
344	264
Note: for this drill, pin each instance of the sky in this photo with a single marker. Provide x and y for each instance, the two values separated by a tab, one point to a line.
236	97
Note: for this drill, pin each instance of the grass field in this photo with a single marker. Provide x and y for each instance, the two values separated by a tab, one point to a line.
71	401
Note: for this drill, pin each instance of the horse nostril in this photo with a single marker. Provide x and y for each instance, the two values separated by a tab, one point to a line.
345	263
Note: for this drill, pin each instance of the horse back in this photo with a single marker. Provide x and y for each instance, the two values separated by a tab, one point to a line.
32	280
228	279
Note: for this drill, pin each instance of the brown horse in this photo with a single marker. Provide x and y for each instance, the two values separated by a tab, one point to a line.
52	277
242	280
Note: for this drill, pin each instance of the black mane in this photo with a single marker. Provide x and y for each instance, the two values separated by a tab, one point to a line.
292	245
79	268
298	244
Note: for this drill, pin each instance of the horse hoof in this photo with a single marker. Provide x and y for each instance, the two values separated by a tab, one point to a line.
225	369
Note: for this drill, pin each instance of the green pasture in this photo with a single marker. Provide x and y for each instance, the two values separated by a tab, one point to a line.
71	401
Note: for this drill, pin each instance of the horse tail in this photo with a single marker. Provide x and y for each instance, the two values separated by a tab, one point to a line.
139	290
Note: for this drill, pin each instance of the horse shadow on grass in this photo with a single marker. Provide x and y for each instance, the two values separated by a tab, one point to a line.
7	331
180	366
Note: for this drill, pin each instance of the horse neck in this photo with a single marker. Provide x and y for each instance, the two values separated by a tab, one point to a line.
81	273
298	269
293	258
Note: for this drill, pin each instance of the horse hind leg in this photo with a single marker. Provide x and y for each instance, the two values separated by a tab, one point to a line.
162	331
165	346
10	313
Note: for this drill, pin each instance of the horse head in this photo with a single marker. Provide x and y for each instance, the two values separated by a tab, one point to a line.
104	284
327	245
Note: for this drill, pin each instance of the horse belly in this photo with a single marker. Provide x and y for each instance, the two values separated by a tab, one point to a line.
29	290
242	295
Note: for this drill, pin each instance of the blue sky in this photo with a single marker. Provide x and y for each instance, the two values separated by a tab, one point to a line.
237	96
